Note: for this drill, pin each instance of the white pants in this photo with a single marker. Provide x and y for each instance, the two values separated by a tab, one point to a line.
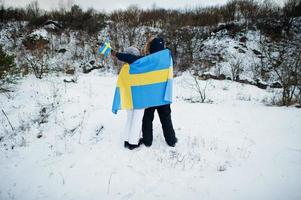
133	126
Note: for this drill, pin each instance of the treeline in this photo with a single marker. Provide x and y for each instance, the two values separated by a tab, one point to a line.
93	21
74	18
249	11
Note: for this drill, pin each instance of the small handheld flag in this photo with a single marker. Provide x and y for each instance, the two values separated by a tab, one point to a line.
105	48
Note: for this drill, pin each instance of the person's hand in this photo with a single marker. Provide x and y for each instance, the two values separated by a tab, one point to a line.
113	53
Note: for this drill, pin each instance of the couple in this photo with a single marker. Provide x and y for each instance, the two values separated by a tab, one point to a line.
144	85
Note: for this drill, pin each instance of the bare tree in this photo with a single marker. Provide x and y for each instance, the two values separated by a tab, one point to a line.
33	10
186	35
38	62
298	76
249	10
36	54
200	90
236	69
283	58
132	20
229	10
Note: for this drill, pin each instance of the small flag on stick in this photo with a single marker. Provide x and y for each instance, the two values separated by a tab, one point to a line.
105	48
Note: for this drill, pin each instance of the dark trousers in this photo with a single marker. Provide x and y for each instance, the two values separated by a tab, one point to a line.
165	118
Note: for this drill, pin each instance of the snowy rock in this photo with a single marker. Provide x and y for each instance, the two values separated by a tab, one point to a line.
276	85
39	34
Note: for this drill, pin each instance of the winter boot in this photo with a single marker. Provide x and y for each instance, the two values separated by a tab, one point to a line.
132	146
173	143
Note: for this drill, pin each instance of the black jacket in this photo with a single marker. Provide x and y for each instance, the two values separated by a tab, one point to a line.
128	58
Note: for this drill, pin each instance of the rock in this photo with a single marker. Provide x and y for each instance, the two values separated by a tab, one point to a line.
276	85
241	51
92	62
62	50
221	77
243	39
88	70
70	71
55	24
211	76
70	80
256	52
227	27
245	81
208	76
43	110
261	84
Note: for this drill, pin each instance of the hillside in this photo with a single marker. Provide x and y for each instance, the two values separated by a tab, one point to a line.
217	52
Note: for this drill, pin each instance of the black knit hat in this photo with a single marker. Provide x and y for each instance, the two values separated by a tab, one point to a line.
157	44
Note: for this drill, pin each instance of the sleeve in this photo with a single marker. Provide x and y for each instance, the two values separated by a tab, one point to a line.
128	58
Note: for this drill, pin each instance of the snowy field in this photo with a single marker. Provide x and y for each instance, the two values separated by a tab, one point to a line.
65	143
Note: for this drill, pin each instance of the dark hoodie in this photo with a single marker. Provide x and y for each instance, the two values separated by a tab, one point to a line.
157	44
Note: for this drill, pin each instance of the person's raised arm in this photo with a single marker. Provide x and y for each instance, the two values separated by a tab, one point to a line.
125	57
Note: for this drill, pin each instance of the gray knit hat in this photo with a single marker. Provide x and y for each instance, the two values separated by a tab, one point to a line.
132	50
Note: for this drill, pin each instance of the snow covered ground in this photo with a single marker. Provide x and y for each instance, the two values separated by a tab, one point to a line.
66	144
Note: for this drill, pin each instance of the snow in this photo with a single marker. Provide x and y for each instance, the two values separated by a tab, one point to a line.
224	92
235	147
40	34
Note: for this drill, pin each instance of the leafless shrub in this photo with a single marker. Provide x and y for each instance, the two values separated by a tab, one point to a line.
298	77
236	69
228	11
36	54
284	59
298	96
38	62
249	10
199	89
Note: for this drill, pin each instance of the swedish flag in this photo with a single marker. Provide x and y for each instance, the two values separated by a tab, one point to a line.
147	82
105	48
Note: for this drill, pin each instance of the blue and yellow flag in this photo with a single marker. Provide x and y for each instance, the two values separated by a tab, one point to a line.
105	48
147	82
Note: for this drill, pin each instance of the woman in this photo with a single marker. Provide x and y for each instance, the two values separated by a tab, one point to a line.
132	134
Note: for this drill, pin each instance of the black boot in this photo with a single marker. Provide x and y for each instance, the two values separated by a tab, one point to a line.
132	146
173	143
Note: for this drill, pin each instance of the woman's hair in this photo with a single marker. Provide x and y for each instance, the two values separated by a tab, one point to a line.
146	49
